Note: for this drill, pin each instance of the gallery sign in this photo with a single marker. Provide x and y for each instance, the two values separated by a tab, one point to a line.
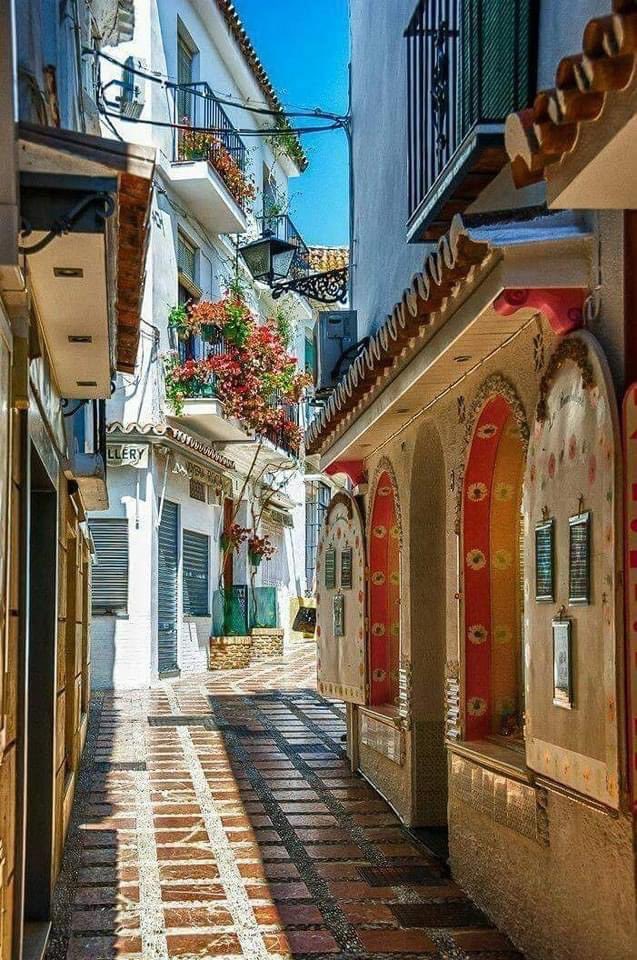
127	455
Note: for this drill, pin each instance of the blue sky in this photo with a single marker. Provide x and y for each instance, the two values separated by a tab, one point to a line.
305	50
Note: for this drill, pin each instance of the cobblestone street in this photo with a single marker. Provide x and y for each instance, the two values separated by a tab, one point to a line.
217	816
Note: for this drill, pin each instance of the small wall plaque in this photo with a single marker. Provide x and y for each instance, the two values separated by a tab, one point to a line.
545	560
346	568
579	559
339	615
562	664
330	569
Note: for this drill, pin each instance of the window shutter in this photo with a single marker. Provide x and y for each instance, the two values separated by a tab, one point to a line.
110	570
195	574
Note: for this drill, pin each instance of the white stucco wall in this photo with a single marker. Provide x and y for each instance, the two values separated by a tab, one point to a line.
125	648
383	262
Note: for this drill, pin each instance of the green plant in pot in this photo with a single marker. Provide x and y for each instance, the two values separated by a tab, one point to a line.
178	320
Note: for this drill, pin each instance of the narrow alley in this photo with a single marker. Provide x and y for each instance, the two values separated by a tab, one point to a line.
217	816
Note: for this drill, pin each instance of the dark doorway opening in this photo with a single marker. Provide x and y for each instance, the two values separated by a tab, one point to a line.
41	702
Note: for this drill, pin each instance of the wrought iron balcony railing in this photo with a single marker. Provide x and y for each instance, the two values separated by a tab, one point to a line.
283	228
213	137
469	64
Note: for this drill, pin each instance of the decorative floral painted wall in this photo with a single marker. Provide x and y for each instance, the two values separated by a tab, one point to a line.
384	592
491	544
340	601
571	474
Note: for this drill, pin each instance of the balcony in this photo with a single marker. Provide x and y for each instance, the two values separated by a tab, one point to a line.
201	410
282	227
469	64
208	169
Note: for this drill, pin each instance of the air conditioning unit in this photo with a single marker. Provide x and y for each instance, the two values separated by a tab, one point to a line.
131	101
335	340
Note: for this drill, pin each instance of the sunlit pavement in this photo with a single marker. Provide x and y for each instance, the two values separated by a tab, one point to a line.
217	816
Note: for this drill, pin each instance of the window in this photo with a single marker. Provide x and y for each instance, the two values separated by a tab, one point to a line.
195	574
186	258
110	569
318	496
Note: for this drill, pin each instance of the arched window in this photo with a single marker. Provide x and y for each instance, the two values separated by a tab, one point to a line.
492	498
384	593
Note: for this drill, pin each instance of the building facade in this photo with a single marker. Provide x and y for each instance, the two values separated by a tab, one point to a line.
73	216
182	473
471	591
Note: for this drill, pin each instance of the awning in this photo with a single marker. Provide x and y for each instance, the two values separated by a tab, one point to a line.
56	153
167	432
581	135
482	284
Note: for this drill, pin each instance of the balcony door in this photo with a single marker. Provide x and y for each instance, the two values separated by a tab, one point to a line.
167	589
185	79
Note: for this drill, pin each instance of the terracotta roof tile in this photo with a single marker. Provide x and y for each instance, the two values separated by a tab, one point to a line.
455	256
328	258
235	25
172	433
544	133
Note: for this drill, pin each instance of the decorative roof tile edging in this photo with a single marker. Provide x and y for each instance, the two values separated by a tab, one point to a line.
455	256
543	134
235	26
172	433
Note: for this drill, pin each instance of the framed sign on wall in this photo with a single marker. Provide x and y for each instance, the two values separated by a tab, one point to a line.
579	559
562	664
545	560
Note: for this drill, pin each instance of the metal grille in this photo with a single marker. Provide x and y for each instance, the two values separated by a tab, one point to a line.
167	599
110	573
468	63
195	574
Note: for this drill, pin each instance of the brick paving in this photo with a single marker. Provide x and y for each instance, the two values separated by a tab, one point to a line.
217	816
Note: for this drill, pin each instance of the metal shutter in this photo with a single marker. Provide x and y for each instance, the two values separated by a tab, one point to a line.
195	574
110	571
167	599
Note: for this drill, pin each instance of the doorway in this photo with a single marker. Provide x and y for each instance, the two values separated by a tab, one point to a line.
41	698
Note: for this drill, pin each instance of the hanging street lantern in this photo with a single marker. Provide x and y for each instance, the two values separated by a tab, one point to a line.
268	258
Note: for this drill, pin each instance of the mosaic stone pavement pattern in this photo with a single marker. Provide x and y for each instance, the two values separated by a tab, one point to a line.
217	816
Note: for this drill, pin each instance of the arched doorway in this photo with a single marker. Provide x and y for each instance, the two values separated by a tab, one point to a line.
493	574
428	630
384	593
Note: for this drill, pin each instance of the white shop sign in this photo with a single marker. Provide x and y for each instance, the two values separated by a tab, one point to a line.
127	455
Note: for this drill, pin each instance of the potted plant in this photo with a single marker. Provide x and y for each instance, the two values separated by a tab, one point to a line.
260	548
178	320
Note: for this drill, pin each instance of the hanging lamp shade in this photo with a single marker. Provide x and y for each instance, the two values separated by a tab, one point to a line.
268	258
